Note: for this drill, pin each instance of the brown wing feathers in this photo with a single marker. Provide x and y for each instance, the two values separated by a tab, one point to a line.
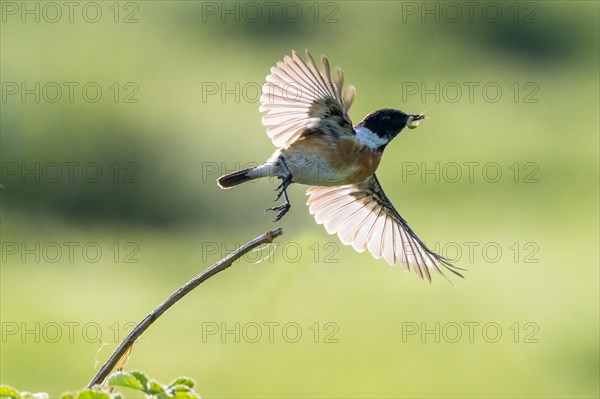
297	96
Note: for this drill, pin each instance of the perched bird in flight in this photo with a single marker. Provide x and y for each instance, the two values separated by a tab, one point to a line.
307	120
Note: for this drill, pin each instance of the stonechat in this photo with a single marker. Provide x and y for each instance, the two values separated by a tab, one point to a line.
317	145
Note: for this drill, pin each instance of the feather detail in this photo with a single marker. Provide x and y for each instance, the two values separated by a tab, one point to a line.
363	217
297	96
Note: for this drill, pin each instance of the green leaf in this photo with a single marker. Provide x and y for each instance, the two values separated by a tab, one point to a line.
8	392
129	379
154	388
188	393
67	395
183	381
92	394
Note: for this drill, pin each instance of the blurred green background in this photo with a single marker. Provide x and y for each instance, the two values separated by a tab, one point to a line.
160	137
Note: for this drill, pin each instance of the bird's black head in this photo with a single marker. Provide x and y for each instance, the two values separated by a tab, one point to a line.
387	123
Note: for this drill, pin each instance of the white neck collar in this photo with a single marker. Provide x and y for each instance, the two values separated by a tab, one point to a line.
368	138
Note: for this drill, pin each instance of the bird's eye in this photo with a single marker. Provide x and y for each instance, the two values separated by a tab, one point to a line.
385	118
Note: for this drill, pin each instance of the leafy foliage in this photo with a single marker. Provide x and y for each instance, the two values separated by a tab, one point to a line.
180	388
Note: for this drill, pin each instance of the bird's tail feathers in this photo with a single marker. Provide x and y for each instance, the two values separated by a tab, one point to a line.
233	179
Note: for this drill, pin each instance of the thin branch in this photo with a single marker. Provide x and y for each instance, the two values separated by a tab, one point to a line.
176	296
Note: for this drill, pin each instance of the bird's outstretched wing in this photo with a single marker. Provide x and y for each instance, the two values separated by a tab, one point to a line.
363	216
297	96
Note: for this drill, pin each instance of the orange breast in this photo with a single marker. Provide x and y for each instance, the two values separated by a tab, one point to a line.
349	161
360	161
349	157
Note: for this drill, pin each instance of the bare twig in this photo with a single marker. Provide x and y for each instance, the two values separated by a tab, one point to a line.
176	296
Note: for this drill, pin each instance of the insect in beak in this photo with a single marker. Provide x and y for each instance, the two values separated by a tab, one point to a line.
413	121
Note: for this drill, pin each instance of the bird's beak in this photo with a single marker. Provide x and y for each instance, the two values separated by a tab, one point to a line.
413	121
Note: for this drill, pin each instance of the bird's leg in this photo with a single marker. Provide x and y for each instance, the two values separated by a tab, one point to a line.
283	209
286	180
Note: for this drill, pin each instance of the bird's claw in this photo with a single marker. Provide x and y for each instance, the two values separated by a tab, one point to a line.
283	209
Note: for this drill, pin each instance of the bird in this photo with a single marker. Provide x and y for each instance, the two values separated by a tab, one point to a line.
306	117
